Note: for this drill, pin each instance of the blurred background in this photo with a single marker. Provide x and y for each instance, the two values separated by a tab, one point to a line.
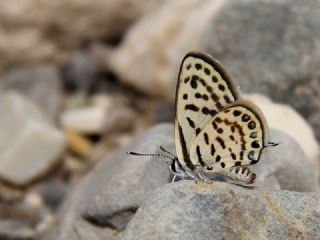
79	79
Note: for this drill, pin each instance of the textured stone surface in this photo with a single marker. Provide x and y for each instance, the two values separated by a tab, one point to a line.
35	29
15	230
186	210
29	145
38	82
111	193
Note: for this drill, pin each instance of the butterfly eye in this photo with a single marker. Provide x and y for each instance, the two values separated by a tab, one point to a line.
209	168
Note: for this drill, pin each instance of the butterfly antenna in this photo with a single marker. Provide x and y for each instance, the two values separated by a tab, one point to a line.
271	144
166	151
150	154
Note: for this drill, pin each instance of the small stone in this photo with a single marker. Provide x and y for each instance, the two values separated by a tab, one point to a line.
90	120
78	143
15	230
29	145
53	193
81	72
40	83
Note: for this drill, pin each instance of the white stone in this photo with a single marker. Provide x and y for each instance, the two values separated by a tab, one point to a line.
89	120
285	118
29	145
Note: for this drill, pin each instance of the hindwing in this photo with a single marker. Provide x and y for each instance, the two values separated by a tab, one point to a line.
235	136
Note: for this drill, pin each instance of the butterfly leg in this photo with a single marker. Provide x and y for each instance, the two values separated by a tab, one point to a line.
201	176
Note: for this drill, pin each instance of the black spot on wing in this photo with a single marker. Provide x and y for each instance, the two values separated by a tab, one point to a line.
245	118
191	107
255	144
214	79
236	113
253	135
198	66
220	130
206	71
185	154
251	125
207	111
185	96
199	156
206	138
187	79
212	150
194	84
221	87
191	123
198	130
221	142
227	99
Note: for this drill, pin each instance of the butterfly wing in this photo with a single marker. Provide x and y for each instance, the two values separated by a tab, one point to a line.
233	137
203	90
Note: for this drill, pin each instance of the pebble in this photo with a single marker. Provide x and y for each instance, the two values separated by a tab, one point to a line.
29	144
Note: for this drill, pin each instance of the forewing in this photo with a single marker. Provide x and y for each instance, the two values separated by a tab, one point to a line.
233	137
203	90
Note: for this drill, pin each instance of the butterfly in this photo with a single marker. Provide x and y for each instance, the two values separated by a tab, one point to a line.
216	130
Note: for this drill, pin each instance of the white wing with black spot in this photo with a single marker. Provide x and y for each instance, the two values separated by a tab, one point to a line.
203	90
233	137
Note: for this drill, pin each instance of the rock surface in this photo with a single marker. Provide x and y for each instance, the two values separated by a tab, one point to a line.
15	230
186	210
122	183
29	145
40	83
41	30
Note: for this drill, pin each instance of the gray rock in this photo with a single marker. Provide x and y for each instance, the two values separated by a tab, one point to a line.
54	192
270	47
81	72
186	210
15	230
38	82
111	193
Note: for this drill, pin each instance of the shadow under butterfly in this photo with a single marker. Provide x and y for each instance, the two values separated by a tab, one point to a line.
216	130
